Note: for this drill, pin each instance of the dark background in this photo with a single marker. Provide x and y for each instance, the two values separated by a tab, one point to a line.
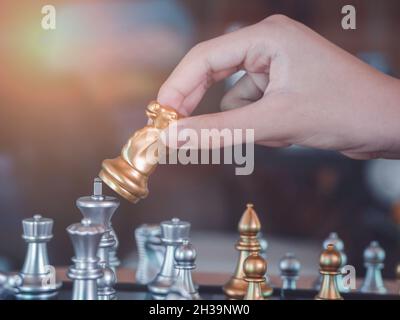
71	97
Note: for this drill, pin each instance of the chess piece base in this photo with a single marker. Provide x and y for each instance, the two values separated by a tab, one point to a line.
124	179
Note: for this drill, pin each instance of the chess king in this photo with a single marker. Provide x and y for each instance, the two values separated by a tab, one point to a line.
128	174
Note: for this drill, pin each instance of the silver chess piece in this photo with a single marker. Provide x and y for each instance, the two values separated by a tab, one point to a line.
151	252
374	257
338	244
10	282
113	257
289	267
38	276
184	288
173	233
86	270
99	209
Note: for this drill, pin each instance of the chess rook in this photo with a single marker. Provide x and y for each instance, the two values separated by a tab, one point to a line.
39	278
128	174
374	257
249	227
254	267
330	263
99	209
289	267
86	270
151	252
173	233
184	288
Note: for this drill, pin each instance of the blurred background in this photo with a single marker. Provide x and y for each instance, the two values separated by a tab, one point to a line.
71	97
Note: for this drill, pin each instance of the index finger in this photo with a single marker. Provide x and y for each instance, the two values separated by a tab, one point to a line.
208	61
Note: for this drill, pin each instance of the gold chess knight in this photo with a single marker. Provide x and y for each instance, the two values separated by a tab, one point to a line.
128	174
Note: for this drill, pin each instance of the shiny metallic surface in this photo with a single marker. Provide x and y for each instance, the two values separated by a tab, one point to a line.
86	271
10	282
173	234
289	267
128	174
99	209
39	280
150	251
330	263
113	252
249	227
183	287
254	267
338	243
374	257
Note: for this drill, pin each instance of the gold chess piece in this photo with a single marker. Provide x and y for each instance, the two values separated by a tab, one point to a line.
128	174
254	268
329	262
249	227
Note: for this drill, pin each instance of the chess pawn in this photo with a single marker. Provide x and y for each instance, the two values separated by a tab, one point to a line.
254	267
173	233
330	263
99	209
128	173
249	227
150	252
86	271
338	243
289	267
39	277
184	288
374	256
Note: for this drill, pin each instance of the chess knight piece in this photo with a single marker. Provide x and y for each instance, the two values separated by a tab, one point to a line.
249	227
151	252
128	174
330	263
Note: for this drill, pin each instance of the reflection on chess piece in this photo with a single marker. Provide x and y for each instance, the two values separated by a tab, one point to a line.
289	267
374	257
254	268
249	227
128	173
39	277
329	262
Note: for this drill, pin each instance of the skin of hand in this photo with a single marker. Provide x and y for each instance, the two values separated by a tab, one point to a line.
299	88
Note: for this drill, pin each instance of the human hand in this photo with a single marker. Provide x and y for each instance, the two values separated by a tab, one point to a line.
298	89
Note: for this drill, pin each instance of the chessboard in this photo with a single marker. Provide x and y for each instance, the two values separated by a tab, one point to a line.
210	288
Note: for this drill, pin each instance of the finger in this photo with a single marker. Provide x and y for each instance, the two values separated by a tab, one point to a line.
226	52
266	120
247	89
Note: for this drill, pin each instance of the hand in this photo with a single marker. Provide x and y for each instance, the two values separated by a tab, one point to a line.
298	89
